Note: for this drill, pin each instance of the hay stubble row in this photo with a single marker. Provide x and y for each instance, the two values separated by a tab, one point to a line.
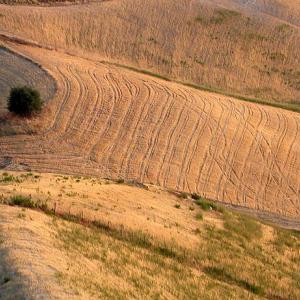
251	54
111	122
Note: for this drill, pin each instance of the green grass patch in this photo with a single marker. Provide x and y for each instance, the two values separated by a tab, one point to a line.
7	178
286	239
222	275
22	201
223	15
242	226
206	204
199	217
283	28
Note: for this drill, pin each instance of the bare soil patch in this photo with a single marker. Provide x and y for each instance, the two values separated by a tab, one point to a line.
18	71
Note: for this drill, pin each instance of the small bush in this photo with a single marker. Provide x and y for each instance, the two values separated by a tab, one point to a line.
22	201
177	206
5	280
120	181
24	101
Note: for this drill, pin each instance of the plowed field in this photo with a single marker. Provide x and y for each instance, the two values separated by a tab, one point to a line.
112	122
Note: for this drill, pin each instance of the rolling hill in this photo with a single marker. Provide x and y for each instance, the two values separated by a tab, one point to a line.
116	123
214	46
164	122
87	238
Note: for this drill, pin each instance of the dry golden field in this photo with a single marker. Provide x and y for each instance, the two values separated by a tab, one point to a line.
284	10
156	172
116	123
251	54
65	237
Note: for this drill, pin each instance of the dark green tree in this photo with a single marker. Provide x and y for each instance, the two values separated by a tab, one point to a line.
24	101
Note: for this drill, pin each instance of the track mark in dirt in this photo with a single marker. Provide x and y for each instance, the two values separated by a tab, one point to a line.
116	123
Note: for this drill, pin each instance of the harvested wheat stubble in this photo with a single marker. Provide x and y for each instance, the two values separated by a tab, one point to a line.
18	71
204	44
116	123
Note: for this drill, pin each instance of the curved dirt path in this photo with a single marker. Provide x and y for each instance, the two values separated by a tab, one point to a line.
111	122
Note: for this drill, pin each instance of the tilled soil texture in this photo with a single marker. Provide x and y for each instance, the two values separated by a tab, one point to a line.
116	123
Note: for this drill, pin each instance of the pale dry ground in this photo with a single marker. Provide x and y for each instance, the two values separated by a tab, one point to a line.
44	256
115	123
255	55
152	210
40	266
28	256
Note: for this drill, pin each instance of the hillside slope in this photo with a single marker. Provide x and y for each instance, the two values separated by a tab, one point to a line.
105	240
285	10
211	45
22	72
115	123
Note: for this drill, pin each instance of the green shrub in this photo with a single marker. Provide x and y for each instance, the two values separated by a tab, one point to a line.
24	101
177	206
22	201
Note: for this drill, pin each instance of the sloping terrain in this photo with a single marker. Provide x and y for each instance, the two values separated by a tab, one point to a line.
250	54
28	258
18	71
116	123
284	10
142	228
87	238
47	2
